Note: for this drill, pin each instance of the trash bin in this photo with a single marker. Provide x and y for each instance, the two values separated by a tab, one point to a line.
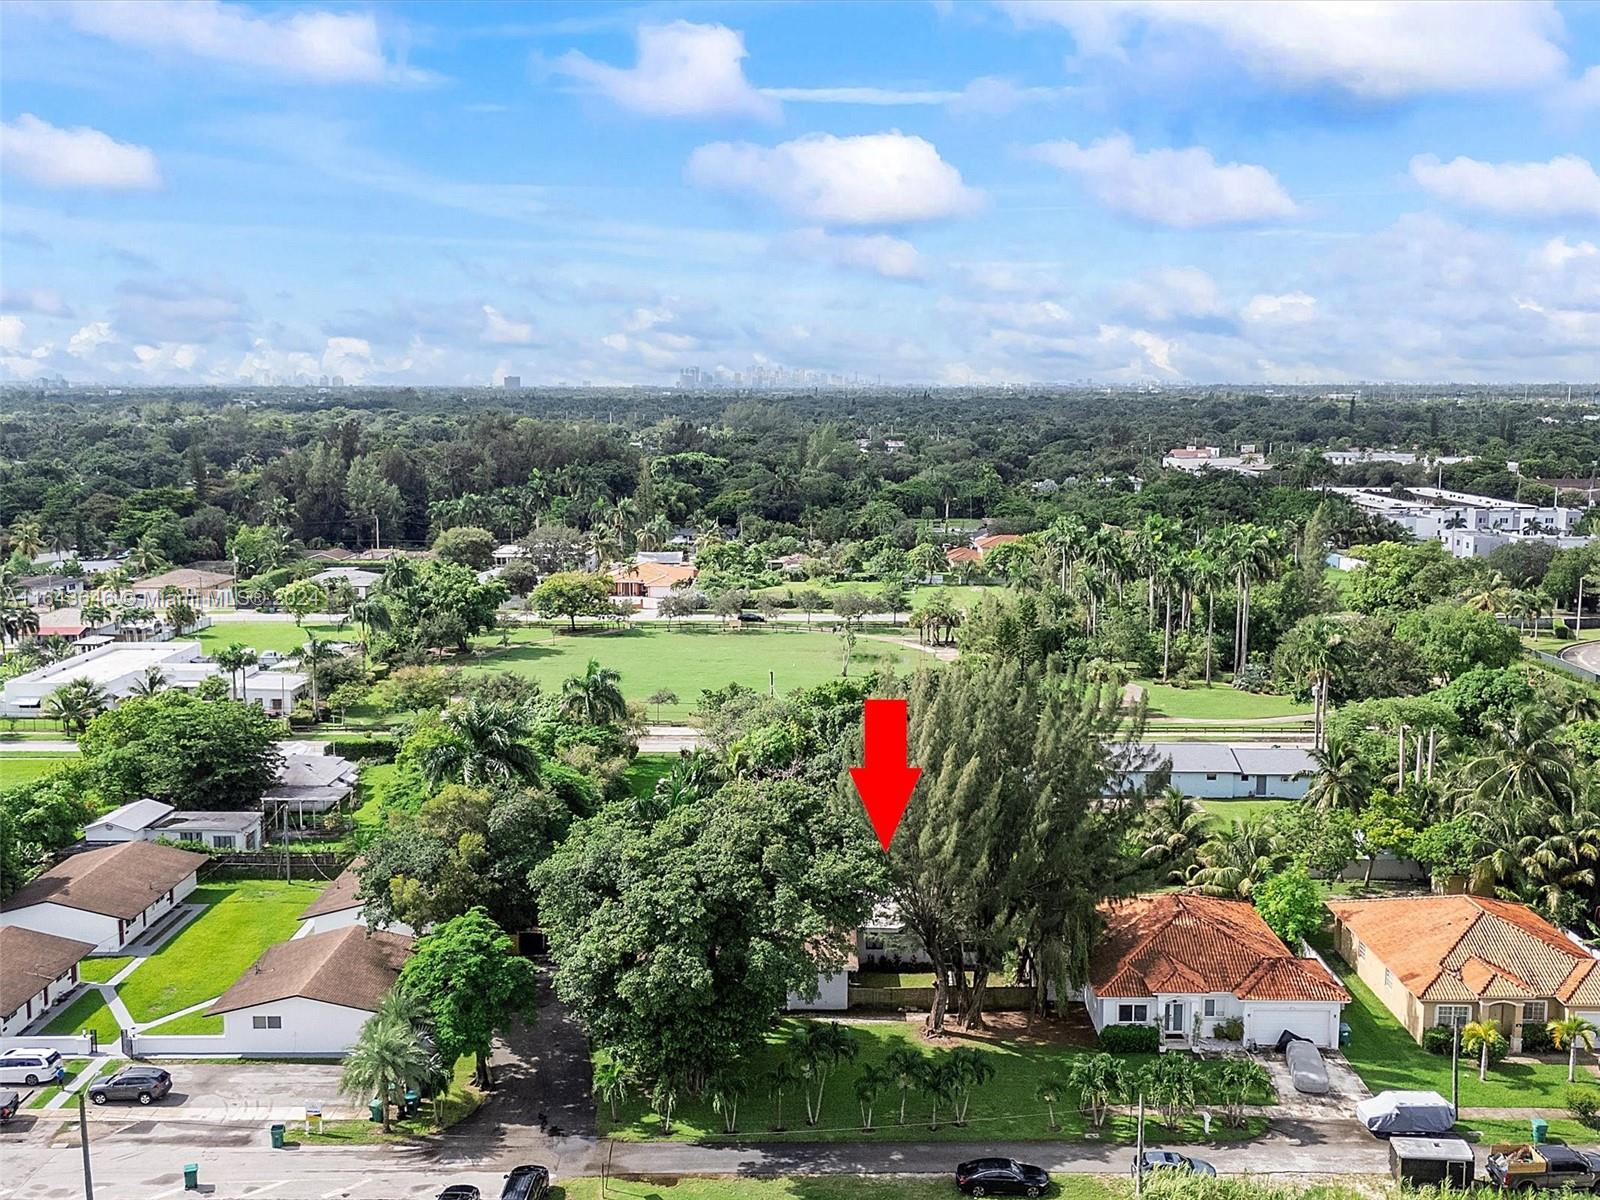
1344	1034
191	1177
413	1100
375	1110
1541	1128
277	1137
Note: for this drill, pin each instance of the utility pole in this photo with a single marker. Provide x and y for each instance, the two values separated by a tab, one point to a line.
1138	1153
83	1137
1455	1068
377	532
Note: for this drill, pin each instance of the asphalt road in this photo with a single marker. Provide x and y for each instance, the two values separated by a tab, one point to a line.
1585	655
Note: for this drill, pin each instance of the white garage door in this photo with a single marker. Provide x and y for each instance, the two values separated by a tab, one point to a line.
1268	1023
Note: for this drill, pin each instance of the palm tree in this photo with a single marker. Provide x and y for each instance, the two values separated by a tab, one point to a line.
1484	1037
181	614
313	656
780	1079
968	1069
76	703
152	683
1340	779
1237	859
904	1065
872	1081
1491	595
233	658
388	1058
27	538
610	1082
1313	649
1099	1080
1571	1031
1174	829
1253	549
937	1082
818	1049
1049	1092
489	741
17	621
1523	765
727	1088
594	697
94	613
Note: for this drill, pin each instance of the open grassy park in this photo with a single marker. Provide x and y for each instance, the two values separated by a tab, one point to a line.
689	659
1219	702
282	636
17	767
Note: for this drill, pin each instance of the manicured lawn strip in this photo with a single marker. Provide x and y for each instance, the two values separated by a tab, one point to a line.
18	769
88	1011
74	1066
963	595
815	1187
1386	1058
645	769
194	1023
371	781
886	979
688	659
243	918
1219	702
1492	1133
1226	812
459	1101
100	970
282	636
1002	1110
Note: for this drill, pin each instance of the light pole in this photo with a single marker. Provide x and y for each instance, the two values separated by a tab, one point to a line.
83	1137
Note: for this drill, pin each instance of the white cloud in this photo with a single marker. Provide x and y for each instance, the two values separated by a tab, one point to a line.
682	70
347	356
874	179
1377	49
498	330
877	97
90	338
74	158
1558	252
298	43
1291	308
1564	186
1582	93
1181	188
44	301
1174	294
891	257
11	333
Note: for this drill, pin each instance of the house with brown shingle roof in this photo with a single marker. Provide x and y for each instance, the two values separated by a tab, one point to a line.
341	903
1448	960
37	971
108	897
1187	963
203	589
311	995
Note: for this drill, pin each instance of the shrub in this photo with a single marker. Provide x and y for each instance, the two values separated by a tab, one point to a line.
378	749
1254	678
1584	1105
1130	1039
1436	1039
1561	631
1536	1038
1231	1030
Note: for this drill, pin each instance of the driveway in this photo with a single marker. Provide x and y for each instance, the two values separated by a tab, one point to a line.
235	1091
1345	1090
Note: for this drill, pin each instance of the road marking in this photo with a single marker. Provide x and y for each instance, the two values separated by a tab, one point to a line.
339	1191
265	1188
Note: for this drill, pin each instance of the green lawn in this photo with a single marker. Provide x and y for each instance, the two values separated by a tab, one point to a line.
18	768
1386	1058
74	1067
282	636
1492	1133
1002	1110
371	781
1552	645
645	769
459	1101
242	920
100	970
1218	702
963	595
1226	812
88	1011
688	659
888	979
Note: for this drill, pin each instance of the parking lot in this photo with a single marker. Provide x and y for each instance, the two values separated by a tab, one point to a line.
235	1091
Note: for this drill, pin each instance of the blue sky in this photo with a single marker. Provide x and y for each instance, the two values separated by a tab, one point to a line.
943	193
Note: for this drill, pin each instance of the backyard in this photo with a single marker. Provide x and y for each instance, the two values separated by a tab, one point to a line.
282	636
1004	1109
1386	1058
1219	702
688	659
1225	812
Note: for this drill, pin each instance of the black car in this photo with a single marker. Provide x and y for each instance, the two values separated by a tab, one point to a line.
750	618
461	1191
526	1183
1169	1160
1001	1177
143	1084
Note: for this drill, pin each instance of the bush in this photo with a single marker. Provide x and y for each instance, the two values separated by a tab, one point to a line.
1231	1030
377	749
1130	1039
1584	1105
1561	631
1254	678
1536	1038
1436	1039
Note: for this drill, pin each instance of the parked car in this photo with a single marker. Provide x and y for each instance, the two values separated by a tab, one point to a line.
526	1183
750	618
1306	1068
1550	1168
143	1084
1001	1177
9	1103
461	1191
1406	1114
1170	1160
30	1067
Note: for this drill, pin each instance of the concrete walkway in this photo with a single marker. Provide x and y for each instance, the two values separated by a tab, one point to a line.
27	747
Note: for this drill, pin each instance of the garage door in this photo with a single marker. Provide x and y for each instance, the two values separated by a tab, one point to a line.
1268	1023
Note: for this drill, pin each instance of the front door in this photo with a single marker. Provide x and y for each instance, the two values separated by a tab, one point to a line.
1261	785
1174	1018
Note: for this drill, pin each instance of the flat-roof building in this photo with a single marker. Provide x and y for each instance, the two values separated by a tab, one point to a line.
119	666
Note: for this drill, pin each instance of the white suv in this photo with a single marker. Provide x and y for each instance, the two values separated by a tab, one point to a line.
29	1067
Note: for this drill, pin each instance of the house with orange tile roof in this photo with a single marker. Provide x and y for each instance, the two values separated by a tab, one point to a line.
1189	963
1449	960
644	583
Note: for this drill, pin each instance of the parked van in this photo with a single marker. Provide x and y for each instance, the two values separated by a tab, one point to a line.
30	1067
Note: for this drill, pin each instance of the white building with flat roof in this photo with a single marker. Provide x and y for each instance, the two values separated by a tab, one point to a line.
1468	525
118	667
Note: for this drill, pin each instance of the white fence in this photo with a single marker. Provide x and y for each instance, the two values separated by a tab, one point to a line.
147	1045
72	1046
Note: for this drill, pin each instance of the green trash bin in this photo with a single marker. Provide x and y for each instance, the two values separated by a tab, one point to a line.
277	1137
191	1177
375	1110
413	1101
1541	1129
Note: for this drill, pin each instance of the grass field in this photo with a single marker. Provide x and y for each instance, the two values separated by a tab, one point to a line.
282	636
1385	1057
371	781
1226	812
645	769
888	979
1002	1110
964	595
688	659
17	768
88	1011
100	970
1219	702
1552	645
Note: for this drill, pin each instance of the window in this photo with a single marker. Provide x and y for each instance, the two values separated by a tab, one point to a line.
1455	1015
266	1022
1211	774
1244	779
1534	1010
1388	977
1128	1014
1211	1008
222	841
1361	949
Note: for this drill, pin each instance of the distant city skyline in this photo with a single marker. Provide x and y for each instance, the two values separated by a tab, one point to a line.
945	194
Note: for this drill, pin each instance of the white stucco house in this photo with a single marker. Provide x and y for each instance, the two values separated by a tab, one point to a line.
107	897
361	582
153	820
1188	964
311	995
341	906
37	971
1220	771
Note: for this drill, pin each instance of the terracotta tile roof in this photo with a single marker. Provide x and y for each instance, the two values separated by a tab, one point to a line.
338	896
655	574
32	961
961	554
349	967
119	881
1470	948
1175	942
989	541
185	578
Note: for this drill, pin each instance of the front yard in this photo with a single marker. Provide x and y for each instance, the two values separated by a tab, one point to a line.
1004	1109
1386	1058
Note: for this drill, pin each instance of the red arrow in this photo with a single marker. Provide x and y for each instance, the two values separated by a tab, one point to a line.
884	779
